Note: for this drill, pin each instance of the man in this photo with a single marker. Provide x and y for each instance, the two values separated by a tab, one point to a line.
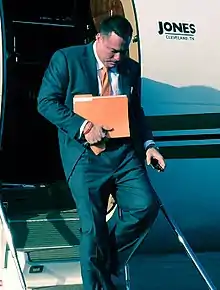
120	168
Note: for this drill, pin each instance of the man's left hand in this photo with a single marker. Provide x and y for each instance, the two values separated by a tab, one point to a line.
154	153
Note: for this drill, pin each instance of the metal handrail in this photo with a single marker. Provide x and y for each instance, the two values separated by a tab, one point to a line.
11	246
184	243
188	249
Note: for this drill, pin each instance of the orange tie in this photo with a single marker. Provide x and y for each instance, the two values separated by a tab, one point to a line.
106	87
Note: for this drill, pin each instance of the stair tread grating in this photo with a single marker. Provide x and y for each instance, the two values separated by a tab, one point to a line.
46	233
31	216
65	287
55	254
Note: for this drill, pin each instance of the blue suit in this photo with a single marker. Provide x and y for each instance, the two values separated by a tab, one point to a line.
120	169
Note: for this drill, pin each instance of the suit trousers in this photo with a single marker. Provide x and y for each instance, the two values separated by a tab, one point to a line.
117	171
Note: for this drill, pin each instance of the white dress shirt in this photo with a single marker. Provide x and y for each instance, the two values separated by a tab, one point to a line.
115	89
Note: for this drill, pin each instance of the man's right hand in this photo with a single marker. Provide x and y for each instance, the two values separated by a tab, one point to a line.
94	133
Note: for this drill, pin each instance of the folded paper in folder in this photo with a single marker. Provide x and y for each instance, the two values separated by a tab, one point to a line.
110	111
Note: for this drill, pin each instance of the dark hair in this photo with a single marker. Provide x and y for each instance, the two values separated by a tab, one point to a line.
117	24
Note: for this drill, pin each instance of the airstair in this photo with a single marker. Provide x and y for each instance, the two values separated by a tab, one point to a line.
39	247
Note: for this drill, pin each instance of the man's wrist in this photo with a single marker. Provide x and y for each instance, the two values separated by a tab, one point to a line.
88	127
152	145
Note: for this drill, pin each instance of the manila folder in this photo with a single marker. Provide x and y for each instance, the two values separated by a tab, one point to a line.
111	111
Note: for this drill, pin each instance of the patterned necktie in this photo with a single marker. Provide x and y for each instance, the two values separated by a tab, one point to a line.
106	87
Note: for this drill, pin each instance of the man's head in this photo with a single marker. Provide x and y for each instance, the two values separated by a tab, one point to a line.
113	40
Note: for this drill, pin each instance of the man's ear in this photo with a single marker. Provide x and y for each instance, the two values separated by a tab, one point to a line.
98	36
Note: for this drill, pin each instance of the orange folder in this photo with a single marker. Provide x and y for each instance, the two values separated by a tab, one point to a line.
111	111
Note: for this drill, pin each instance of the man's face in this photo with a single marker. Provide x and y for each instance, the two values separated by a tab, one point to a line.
111	49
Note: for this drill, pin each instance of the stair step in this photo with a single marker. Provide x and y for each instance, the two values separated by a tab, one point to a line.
51	255
44	234
68	287
54	254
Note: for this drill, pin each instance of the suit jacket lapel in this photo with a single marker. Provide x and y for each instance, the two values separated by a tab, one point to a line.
90	69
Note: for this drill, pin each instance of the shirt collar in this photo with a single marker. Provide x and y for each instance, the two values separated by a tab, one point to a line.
99	64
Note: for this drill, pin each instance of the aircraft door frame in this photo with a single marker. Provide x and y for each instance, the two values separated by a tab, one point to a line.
3	60
130	14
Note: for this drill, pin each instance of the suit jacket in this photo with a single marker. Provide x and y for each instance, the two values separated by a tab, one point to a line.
73	71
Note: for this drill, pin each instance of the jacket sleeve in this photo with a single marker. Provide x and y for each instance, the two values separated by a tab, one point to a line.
142	124
52	95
